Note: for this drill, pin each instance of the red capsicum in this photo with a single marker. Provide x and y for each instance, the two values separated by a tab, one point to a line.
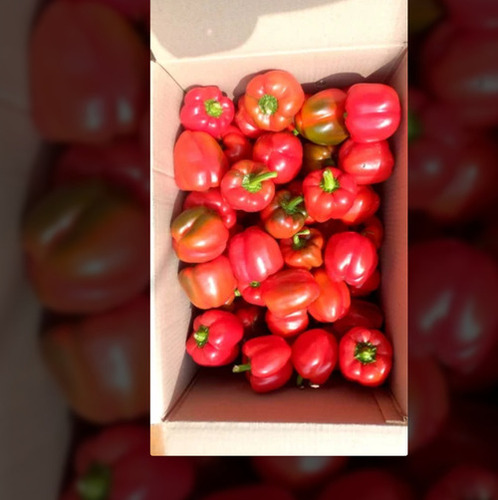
251	317
334	299
236	146
329	193
251	266
365	204
373	229
244	121
321	119
351	257
369	163
317	157
199	235
361	313
368	287
284	216
289	291
199	161
251	292
304	249
215	339
267	361
281	152
272	99
314	356
209	285
248	186
365	356
373	112
287	326
213	200
206	109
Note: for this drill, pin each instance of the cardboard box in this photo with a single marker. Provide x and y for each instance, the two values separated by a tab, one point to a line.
323	44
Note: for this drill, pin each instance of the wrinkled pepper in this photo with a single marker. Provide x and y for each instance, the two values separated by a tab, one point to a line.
304	249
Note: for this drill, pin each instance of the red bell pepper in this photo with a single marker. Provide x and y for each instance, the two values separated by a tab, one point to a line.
209	285
285	215
369	163
365	204
317	157
314	356
244	121
272	99
287	326
267	359
236	146
373	112
85	353
71	238
199	235
213	200
250	265
304	249
373	229
334	299
123	164
351	257
289	291
248	186
206	109
199	161
368	287
281	152
321	119
116	464
329	193
251	292
215	339
89	73
365	356
296	189
360	313
251	317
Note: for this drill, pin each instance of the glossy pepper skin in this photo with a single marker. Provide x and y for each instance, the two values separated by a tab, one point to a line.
83	353
248	186
368	287
365	356
281	152
248	265
215	339
304	249
212	200
71	237
287	326
236	145
314	355
267	359
317	157
351	257
321	119
285	215
369	163
244	121
373	229
272	99
289	291
206	109
210	284
373	112
365	204
360	313
251	292
199	235
116	464
199	161
334	299
328	193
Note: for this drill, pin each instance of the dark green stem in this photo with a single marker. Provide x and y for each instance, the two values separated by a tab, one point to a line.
291	206
95	484
268	104
241	368
254	183
201	336
329	183
365	352
213	108
297	242
254	284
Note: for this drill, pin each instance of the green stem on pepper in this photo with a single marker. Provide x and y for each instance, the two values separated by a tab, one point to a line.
297	241
241	368
329	183
365	352
253	182
213	108
201	336
268	104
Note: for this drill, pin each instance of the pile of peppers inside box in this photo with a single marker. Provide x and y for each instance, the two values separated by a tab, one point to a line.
278	234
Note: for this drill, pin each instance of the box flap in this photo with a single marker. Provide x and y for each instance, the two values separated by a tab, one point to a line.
194	28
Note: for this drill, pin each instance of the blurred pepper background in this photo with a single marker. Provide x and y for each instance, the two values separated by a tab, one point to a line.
77	217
